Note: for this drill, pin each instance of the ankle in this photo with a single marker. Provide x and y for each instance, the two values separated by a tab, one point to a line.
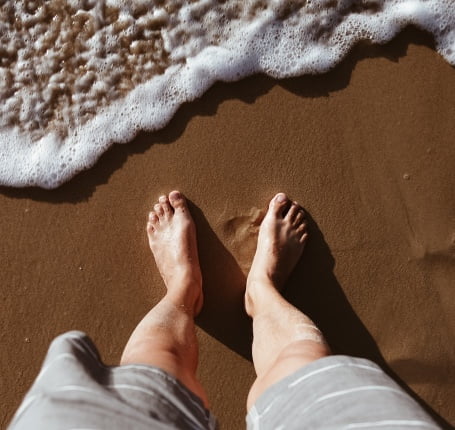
185	292
189	303
260	284
260	295
267	276
182	279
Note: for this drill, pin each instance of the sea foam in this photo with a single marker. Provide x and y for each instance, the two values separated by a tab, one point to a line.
77	76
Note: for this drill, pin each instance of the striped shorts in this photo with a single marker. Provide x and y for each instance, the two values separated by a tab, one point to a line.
75	391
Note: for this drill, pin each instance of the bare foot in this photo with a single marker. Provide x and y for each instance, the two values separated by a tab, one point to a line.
281	240
172	238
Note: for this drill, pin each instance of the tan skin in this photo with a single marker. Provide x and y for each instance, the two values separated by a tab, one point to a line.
284	338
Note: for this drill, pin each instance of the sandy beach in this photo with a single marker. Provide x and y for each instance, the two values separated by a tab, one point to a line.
368	149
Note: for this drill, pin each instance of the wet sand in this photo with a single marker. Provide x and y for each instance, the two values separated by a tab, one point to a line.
369	151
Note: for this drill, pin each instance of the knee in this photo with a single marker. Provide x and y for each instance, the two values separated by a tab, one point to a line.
292	358
304	351
73	341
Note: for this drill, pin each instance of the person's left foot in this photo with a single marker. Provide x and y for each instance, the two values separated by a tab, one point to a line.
281	240
172	238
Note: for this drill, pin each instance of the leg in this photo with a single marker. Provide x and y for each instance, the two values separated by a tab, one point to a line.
284	338
166	337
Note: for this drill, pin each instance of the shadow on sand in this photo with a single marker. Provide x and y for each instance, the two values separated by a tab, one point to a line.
223	315
312	288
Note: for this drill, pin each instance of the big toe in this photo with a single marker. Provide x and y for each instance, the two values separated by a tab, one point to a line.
278	205
178	201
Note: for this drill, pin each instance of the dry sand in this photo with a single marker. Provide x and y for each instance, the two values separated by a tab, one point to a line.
369	151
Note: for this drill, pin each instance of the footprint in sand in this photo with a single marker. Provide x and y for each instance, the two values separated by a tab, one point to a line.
241	234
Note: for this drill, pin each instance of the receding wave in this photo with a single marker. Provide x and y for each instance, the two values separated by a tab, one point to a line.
79	75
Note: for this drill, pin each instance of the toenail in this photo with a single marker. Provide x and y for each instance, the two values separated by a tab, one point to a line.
162	199
281	198
176	195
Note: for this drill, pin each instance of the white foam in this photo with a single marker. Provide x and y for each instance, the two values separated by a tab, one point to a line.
77	76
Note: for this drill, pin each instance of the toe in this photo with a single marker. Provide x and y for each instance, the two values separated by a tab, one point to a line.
152	222
304	238
153	218
292	212
150	227
158	208
167	209
301	229
178	201
279	204
299	218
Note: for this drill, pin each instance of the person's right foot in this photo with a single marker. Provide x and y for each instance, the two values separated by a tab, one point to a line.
172	239
281	240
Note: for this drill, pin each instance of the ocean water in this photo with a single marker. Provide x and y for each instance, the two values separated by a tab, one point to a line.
77	76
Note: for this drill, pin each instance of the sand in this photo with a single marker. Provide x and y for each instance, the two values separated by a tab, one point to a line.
369	151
